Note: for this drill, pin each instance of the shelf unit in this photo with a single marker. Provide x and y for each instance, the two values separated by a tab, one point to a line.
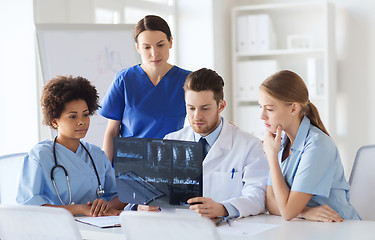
314	61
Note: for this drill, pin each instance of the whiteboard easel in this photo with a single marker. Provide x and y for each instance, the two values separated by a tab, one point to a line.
94	51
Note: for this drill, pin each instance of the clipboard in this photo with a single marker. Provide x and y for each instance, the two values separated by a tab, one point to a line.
102	222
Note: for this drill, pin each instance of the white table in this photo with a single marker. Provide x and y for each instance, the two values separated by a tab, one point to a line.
279	229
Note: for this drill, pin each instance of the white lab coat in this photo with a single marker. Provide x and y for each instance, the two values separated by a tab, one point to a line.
233	149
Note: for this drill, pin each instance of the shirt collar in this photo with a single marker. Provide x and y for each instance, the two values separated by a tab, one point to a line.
303	129
210	138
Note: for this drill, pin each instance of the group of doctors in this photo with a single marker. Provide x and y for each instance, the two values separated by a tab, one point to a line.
151	100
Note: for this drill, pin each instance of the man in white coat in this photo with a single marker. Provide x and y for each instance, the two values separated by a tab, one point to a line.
235	169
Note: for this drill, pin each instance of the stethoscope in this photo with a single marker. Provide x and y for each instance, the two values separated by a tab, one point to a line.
99	191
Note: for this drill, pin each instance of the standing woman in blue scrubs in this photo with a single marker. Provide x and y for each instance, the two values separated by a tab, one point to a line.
146	100
67	172
306	174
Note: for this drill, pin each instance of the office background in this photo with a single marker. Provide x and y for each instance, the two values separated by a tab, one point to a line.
202	38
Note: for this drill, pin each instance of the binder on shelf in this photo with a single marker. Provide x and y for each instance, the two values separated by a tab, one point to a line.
315	77
255	33
266	39
249	121
242	35
252	33
251	74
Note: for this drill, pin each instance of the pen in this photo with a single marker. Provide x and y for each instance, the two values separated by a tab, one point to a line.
228	222
233	173
222	219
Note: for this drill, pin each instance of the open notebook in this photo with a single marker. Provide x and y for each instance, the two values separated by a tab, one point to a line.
36	222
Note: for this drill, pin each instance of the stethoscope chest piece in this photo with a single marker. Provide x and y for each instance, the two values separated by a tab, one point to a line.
99	192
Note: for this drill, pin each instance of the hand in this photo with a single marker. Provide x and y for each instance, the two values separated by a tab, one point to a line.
148	208
322	213
272	143
112	212
98	207
207	207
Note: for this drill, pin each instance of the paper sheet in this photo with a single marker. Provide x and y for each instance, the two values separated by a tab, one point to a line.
244	228
102	222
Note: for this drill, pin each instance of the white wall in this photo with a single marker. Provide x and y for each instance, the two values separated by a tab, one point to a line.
64	11
223	50
203	39
355	37
194	38
18	101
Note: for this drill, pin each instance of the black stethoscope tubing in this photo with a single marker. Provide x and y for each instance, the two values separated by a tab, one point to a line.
99	192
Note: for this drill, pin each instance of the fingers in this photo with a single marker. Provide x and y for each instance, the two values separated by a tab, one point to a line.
205	206
98	207
93	207
203	210
197	200
112	212
323	213
331	214
324	219
278	133
202	205
148	208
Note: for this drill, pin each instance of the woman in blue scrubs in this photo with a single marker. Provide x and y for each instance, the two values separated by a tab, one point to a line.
146	100
306	174
66	172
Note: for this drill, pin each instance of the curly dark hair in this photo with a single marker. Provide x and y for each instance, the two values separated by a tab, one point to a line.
64	89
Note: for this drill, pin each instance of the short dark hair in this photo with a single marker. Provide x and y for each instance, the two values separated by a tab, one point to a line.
205	79
64	89
153	23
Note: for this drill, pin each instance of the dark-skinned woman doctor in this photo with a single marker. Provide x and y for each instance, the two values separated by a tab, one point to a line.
67	172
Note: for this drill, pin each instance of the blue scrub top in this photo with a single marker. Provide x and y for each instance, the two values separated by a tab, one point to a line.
35	185
315	167
145	110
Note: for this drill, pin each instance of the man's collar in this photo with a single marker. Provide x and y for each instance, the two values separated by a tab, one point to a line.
211	138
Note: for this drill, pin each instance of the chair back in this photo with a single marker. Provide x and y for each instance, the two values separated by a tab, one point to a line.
10	167
165	226
19	222
362	183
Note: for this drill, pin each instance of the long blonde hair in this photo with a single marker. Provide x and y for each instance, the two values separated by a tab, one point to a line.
289	87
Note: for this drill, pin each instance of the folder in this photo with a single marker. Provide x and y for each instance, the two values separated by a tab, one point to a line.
266	39
252	33
315	77
242	35
102	222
